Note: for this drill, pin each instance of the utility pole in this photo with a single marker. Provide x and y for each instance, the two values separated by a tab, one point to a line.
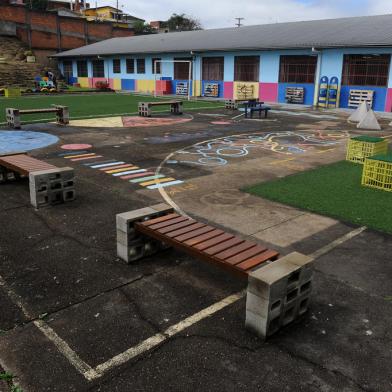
239	24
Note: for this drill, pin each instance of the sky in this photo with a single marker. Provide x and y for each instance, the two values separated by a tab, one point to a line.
221	13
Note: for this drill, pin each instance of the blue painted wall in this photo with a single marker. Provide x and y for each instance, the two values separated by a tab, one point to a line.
128	84
380	94
309	92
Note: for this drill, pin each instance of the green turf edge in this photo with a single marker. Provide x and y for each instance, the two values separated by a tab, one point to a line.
366	206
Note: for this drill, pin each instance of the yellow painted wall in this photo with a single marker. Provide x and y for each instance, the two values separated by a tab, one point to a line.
197	88
145	86
237	94
83	82
116	84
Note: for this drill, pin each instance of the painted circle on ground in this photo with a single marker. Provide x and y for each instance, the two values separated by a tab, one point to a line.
221	122
11	141
76	146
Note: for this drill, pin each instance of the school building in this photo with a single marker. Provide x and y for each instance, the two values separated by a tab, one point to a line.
282	62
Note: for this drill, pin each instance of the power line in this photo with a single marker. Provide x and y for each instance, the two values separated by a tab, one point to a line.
239	24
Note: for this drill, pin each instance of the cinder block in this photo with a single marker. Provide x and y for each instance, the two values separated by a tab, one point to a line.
263	307
278	293
69	195
122	238
125	220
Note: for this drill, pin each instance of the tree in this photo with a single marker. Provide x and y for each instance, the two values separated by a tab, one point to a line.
141	27
183	22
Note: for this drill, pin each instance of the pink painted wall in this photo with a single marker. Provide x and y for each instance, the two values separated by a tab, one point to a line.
388	101
268	92
92	81
111	84
228	90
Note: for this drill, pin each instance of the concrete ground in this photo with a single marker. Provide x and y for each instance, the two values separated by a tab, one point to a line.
75	318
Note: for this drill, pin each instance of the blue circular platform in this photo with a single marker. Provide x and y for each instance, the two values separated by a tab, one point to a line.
24	140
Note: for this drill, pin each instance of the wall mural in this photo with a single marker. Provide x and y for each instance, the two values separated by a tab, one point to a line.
218	152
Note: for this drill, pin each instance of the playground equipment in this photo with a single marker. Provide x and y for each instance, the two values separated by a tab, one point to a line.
377	172
278	290
361	147
323	92
333	90
13	115
12	92
369	122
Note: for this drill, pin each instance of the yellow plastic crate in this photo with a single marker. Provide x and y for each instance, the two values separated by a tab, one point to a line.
377	172
361	147
12	92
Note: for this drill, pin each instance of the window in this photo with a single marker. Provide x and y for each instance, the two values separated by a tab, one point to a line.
98	69
297	69
158	66
82	68
130	66
67	67
181	70
369	70
116	66
141	66
246	68
213	68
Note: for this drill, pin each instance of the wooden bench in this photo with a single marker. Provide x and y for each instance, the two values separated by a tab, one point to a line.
232	104
144	108
49	184
278	289
13	115
253	106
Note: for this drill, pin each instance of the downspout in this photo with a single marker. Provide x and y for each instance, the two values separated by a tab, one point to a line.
318	76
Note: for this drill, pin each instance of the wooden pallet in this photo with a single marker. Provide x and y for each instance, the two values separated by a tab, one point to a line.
295	95
356	97
207	242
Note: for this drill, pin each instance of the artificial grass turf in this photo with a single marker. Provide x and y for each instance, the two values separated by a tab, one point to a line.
87	106
333	190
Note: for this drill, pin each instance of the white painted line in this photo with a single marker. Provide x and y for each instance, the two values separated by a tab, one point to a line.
327	248
165	184
16	299
125	172
159	338
107	164
242	114
86	370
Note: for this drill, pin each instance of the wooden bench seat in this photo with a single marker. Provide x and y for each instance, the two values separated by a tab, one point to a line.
144	108
49	184
14	121
207	242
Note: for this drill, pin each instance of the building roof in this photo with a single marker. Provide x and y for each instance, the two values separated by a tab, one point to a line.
329	33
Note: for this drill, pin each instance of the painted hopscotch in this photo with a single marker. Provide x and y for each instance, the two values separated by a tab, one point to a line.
120	169
217	152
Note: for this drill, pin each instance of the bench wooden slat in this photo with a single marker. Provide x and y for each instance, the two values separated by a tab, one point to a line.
226	254
214	241
193	234
204	237
224	246
246	255
24	164
180	225
257	260
33	111
169	222
189	229
160	219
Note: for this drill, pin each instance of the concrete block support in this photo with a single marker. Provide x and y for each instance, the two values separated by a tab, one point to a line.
131	245
48	187
278	293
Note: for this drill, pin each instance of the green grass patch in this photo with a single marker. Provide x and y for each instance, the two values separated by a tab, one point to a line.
333	190
88	106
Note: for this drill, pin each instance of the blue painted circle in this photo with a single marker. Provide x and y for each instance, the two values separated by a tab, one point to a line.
24	140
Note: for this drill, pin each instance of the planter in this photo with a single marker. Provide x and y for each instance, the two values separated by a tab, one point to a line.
30	59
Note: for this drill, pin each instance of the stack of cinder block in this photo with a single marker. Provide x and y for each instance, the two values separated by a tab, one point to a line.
278	293
48	187
131	245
